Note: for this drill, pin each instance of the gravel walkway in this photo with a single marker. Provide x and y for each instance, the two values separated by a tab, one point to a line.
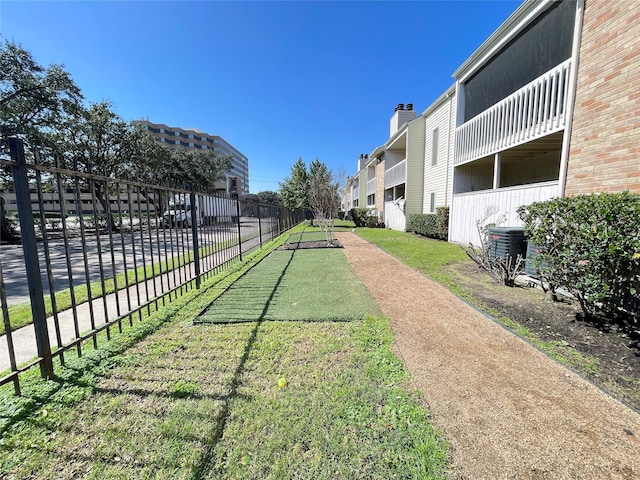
508	410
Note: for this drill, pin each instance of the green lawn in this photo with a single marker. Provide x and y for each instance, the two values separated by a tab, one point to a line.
307	285
423	254
272	396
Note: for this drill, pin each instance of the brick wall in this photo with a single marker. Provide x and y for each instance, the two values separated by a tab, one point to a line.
605	138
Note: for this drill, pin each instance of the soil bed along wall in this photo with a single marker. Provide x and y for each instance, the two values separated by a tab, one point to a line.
609	357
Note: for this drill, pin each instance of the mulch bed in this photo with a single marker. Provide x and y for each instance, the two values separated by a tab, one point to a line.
309	245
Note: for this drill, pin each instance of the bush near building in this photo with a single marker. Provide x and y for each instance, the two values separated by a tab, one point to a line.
590	245
431	225
364	217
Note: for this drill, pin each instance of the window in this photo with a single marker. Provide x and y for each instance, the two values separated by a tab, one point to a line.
434	148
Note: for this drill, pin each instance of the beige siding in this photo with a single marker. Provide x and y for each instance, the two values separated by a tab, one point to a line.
363	187
380	186
438	178
415	167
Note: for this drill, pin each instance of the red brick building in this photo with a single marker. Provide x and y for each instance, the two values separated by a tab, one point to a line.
605	136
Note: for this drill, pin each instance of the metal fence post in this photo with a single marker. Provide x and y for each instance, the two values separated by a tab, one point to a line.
194	232
236	196
28	233
260	223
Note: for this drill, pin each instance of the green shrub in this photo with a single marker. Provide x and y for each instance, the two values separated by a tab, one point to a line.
360	216
429	224
442	222
422	223
341	215
590	244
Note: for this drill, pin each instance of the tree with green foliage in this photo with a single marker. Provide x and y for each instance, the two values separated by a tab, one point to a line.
294	189
34	101
269	197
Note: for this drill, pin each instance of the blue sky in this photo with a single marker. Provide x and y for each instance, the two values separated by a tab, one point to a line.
278	80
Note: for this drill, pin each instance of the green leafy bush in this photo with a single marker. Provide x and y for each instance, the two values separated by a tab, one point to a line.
431	225
590	245
360	216
442	222
423	224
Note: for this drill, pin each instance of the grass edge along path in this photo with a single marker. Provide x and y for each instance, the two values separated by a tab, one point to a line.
410	249
143	411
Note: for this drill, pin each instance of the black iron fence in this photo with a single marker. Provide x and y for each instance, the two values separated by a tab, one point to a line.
82	253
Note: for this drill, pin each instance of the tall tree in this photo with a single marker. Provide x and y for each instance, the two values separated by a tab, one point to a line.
293	190
34	100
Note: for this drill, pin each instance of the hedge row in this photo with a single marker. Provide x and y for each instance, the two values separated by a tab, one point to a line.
364	217
590	245
429	224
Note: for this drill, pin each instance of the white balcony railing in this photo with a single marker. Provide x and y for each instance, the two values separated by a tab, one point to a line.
396	175
371	186
536	110
356	193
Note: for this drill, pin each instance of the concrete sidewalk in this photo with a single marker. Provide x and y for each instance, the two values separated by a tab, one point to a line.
508	410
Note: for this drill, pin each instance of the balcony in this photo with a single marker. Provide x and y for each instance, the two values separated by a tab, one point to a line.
371	186
536	110
396	175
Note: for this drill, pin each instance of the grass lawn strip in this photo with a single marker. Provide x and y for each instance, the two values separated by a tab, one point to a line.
306	285
203	401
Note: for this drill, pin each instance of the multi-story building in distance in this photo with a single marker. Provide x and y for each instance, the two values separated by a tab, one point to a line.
180	138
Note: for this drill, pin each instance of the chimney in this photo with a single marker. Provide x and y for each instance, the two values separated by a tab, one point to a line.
400	117
362	161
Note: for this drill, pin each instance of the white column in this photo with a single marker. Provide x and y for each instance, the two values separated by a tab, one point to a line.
496	171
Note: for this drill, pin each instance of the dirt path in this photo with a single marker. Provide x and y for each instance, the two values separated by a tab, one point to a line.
508	410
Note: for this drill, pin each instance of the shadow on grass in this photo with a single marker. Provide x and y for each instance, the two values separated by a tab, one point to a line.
221	420
79	373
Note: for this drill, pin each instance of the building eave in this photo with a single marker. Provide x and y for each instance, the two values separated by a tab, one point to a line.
440	100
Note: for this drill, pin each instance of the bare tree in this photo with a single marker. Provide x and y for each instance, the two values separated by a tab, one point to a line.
323	197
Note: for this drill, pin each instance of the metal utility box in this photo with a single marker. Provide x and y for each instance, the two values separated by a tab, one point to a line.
532	252
507	242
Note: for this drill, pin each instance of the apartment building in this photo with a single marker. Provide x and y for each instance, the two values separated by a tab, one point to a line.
514	105
547	106
176	137
412	171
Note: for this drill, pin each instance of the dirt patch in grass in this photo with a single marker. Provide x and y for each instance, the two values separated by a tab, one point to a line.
608	357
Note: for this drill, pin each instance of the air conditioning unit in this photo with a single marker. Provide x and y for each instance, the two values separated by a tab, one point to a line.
532	252
506	242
